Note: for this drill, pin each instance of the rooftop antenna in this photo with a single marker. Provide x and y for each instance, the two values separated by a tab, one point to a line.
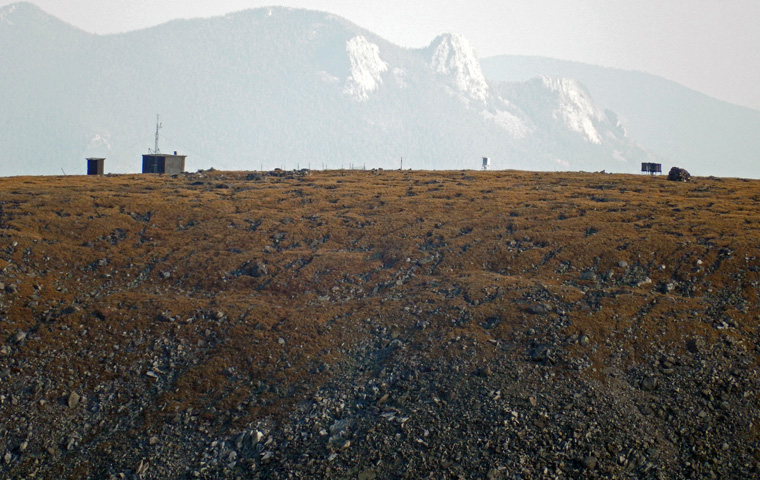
158	127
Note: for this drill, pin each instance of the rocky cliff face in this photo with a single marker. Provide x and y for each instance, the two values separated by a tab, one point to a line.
366	68
452	57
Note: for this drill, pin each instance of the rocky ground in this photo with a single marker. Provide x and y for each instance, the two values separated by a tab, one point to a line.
379	325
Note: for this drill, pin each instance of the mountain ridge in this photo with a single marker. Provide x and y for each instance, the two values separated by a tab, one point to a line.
451	55
29	16
95	75
275	87
686	127
532	62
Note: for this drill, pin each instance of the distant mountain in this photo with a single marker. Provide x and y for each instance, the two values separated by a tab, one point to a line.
704	135
279	87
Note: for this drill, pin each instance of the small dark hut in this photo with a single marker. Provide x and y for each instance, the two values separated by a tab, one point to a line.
651	168
95	166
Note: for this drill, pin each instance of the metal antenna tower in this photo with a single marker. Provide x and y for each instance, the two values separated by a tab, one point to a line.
158	127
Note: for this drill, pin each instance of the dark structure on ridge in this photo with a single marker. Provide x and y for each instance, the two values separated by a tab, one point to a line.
163	163
157	162
95	166
651	168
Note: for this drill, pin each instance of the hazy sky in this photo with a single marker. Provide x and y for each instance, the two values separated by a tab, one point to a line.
710	46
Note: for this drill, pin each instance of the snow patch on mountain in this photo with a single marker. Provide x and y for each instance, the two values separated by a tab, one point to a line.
514	125
454	57
575	107
366	68
5	14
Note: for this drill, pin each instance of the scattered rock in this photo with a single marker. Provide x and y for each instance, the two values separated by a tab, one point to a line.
73	400
367	475
19	337
542	353
649	383
677	174
588	275
71	443
540	309
486	359
490	322
693	345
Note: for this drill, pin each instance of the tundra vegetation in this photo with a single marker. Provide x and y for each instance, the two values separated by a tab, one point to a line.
379	324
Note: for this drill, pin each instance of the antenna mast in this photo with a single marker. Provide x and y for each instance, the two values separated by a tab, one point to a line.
158	127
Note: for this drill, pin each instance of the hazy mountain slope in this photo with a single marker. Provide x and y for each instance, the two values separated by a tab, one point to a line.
268	88
44	65
693	130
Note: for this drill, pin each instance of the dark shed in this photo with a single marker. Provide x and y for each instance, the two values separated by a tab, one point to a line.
163	163
95	166
651	168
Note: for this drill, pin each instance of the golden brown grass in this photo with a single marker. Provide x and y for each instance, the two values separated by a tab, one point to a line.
110	270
